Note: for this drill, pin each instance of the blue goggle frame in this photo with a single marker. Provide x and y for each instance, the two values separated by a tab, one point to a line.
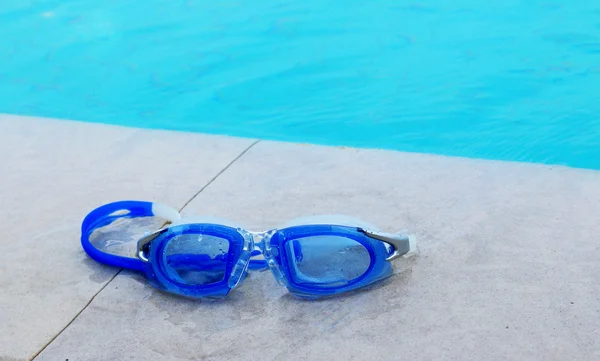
281	249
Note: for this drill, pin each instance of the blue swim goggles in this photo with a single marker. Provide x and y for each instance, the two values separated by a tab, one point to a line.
209	260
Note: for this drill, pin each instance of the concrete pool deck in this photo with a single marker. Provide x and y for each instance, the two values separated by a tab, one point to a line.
507	267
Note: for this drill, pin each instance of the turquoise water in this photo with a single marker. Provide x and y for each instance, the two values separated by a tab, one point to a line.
510	80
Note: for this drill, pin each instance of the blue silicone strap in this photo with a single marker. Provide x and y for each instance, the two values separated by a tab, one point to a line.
105	215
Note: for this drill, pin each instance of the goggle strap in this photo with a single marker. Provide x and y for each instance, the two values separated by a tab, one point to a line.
107	214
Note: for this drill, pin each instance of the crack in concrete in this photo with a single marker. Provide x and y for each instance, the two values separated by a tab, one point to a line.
218	174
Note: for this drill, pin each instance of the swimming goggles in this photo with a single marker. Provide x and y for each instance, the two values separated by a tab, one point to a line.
199	259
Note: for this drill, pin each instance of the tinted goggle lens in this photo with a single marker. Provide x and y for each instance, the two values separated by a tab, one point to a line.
196	259
326	261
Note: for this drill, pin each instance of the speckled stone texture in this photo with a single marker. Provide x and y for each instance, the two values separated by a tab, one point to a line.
507	267
53	173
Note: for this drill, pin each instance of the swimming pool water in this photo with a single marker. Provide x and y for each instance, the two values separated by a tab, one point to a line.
500	79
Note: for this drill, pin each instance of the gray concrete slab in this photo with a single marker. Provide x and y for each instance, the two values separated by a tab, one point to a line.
53	173
507	267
